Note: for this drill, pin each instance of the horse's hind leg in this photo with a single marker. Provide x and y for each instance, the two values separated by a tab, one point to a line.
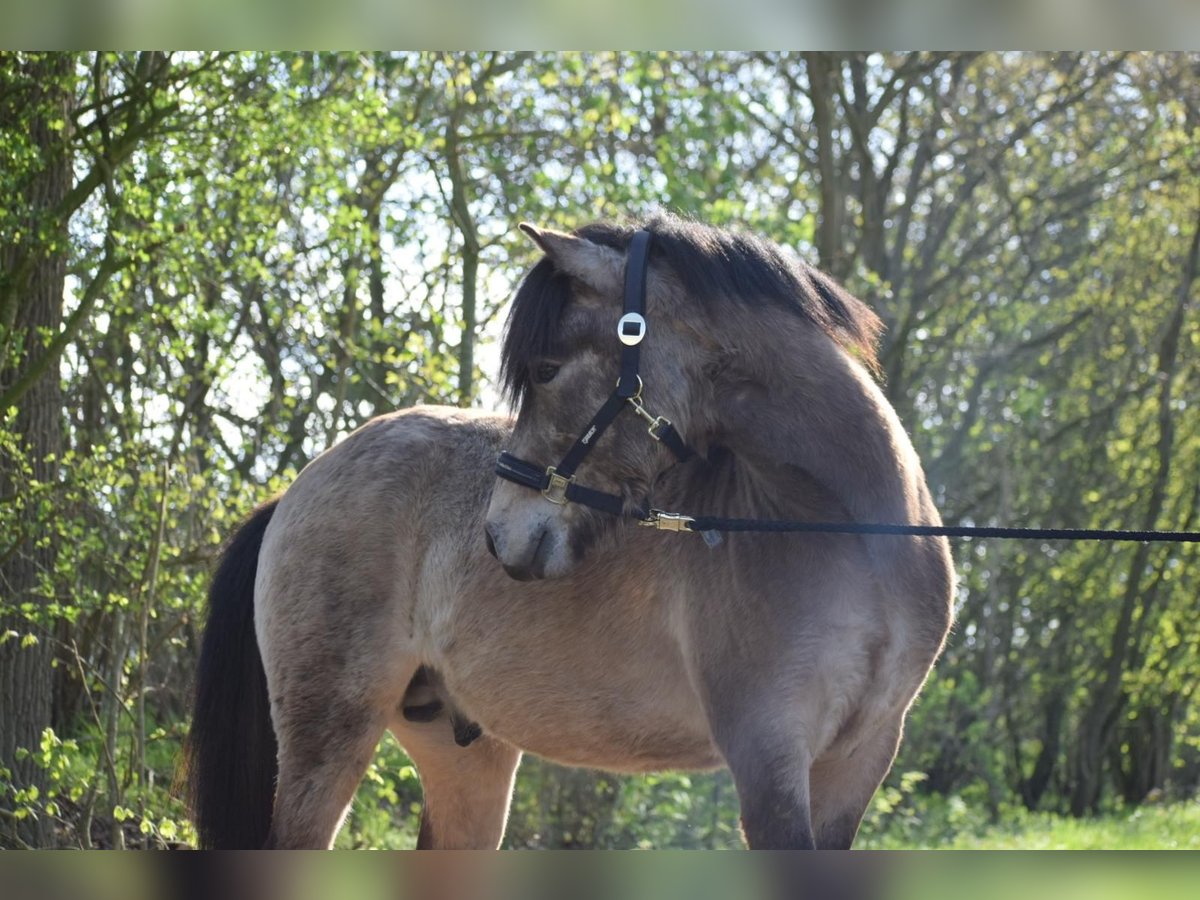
842	786
335	682
325	746
467	790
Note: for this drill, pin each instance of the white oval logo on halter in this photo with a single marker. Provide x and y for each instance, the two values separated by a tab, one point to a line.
631	329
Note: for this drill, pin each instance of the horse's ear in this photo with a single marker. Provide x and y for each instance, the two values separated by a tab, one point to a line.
600	268
536	235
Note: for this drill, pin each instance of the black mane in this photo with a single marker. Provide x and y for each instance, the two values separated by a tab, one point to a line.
714	265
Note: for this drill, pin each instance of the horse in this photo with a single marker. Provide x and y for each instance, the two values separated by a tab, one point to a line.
399	585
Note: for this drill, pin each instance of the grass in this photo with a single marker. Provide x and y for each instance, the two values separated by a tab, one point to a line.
1166	827
1170	827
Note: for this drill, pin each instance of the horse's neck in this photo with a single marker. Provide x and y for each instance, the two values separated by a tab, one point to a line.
808	421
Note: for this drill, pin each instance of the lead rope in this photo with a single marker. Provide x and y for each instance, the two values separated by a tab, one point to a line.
666	521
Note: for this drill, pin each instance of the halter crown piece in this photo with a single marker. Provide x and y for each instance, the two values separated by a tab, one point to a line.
557	483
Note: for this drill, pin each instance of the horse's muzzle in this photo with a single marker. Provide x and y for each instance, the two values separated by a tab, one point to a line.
521	566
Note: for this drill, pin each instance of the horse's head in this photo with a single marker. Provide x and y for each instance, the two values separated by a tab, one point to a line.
566	342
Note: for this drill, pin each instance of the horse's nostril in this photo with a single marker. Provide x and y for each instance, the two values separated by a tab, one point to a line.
491	544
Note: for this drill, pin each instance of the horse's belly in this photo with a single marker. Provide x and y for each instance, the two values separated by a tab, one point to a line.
600	689
588	725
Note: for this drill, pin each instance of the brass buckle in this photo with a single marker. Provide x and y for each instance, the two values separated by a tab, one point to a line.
665	521
556	490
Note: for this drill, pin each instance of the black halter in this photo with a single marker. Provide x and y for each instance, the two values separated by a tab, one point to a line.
557	483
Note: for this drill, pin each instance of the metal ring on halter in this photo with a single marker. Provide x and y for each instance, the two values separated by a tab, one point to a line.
637	395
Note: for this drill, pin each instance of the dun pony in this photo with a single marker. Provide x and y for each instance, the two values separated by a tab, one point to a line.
368	597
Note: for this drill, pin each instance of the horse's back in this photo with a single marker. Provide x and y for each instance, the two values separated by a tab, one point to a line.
396	469
414	449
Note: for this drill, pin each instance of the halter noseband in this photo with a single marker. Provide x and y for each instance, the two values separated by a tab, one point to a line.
557	483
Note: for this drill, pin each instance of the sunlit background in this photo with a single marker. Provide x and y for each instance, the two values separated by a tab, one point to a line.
263	250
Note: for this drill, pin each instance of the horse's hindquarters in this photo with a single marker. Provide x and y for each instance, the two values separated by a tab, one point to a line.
335	594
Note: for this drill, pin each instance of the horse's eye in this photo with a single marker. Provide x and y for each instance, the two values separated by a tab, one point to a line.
545	372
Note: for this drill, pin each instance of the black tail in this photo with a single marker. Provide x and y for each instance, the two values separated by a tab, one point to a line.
230	758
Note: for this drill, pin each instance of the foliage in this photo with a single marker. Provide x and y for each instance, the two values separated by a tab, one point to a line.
265	250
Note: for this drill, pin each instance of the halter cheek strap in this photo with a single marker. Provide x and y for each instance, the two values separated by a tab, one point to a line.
557	483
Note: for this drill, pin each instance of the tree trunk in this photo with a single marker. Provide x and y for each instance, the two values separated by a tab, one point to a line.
460	210
466	353
37	250
1150	738
821	69
1034	788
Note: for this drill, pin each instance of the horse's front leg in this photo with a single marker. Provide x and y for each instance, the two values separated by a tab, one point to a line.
767	706
767	752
